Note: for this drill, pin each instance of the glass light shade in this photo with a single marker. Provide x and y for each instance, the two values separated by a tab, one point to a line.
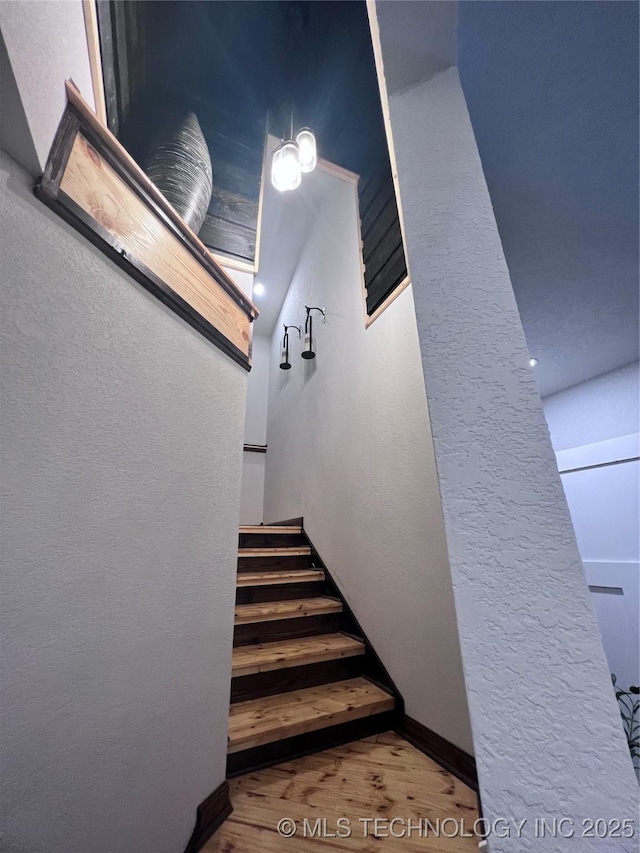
286	172
307	146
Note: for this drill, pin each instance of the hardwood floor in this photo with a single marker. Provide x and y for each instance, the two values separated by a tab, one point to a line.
381	777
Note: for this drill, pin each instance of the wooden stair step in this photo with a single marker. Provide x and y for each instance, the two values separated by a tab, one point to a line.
302	551
280	577
264	528
272	718
267	611
264	657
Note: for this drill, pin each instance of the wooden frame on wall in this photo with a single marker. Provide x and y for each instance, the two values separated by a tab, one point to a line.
93	183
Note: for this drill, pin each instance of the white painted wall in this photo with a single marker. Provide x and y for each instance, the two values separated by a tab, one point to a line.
46	44
602	408
605	509
596	424
121	465
546	726
255	432
350	450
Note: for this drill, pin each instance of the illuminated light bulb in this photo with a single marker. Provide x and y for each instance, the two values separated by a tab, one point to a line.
258	289
533	362
308	151
286	172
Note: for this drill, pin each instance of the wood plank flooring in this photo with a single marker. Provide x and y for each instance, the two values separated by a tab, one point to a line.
378	777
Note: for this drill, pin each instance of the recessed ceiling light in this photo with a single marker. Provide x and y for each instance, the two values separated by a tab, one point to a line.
533	362
258	289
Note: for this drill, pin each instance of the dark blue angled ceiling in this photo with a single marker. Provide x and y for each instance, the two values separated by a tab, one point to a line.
552	90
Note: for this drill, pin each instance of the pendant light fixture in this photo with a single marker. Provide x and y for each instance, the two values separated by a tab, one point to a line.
285	364
293	157
307	148
296	153
309	352
286	169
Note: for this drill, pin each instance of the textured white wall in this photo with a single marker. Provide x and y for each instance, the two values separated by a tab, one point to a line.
350	450
255	432
605	407
546	727
121	463
255	429
46	44
604	502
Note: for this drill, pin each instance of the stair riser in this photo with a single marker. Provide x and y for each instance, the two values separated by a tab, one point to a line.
286	629
272	540
306	744
272	564
281	592
294	678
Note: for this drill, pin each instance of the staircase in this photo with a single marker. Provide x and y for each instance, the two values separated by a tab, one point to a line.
304	677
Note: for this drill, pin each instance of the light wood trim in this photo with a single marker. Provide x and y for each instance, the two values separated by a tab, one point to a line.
233	263
268	528
337	171
277	578
264	176
95	59
377	50
110	141
274	552
96	188
285	715
265	657
295	608
363	286
371	318
386	114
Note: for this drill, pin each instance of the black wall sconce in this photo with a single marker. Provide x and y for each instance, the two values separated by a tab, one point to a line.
285	364
308	351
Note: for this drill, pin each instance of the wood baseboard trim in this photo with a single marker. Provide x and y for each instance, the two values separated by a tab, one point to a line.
446	754
211	814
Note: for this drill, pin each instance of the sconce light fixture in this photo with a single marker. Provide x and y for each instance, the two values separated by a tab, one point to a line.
308	351
285	364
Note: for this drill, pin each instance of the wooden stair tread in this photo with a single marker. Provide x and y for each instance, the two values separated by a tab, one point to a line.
293	551
264	528
260	721
279	577
249	660
267	611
